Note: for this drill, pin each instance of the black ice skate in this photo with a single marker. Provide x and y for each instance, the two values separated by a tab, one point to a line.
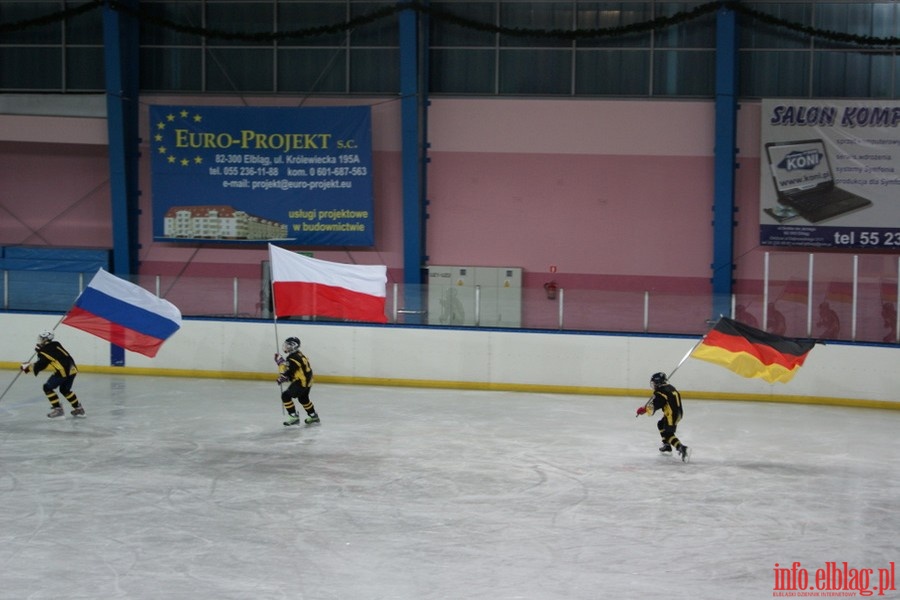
665	448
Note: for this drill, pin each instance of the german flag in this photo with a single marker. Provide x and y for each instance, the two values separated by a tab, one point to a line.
751	352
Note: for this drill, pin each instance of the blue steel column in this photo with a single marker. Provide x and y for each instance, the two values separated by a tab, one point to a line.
725	160
413	92
121	57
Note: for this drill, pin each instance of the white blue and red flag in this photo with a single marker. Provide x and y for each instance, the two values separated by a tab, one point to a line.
305	286
125	314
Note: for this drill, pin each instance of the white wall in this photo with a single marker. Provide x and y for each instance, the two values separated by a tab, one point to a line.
475	359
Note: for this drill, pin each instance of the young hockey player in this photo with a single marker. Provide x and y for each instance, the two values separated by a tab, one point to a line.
294	370
667	399
51	354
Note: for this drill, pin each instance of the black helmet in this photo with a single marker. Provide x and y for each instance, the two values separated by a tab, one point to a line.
658	378
291	344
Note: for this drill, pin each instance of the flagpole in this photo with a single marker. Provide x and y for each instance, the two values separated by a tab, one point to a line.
689	352
12	382
8	387
275	323
272	297
681	362
274	318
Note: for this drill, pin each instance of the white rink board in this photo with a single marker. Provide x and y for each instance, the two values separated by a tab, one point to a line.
471	357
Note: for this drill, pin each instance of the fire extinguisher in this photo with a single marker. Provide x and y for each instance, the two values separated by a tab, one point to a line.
550	287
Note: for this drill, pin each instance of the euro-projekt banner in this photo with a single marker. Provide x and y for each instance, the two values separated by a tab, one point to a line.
299	176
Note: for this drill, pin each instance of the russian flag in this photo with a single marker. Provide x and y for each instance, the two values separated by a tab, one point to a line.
125	314
304	286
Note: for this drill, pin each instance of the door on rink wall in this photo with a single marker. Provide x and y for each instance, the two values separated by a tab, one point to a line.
475	296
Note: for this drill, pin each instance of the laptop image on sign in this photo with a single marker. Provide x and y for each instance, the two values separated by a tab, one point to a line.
804	181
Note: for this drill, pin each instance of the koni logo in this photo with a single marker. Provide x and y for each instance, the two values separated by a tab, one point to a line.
832	580
801	161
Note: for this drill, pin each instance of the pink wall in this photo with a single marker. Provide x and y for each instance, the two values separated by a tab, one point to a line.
585	214
613	193
607	192
54	195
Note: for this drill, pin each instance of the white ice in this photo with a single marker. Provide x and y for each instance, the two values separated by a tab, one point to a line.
192	489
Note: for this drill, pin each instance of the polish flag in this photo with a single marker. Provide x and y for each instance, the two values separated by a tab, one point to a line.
308	287
124	314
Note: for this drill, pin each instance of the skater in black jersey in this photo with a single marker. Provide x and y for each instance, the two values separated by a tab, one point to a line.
294	370
667	399
51	355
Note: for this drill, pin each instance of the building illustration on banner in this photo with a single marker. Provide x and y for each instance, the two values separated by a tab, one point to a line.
219	222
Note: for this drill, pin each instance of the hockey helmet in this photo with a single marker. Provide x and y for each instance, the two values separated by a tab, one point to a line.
44	337
292	344
658	379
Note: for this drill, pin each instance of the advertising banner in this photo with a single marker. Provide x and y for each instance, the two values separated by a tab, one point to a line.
830	174
254	175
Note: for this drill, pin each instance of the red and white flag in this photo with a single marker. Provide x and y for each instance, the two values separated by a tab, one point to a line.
308	287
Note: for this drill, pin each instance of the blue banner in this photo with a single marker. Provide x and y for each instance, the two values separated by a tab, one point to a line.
257	175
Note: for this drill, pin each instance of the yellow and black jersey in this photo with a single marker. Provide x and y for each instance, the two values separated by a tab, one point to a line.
667	399
53	356
296	368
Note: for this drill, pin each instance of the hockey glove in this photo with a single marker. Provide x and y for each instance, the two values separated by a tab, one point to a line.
26	367
282	378
641	410
278	359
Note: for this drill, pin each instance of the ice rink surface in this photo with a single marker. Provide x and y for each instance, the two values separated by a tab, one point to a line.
192	489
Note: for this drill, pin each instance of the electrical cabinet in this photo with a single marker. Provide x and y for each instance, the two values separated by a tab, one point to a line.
475	296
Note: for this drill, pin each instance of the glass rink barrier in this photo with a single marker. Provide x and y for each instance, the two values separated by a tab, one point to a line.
836	297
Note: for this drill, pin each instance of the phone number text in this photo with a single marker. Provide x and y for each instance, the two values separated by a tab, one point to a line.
867	239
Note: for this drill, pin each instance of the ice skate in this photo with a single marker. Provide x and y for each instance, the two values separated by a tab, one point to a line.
78	412
313	418
292	420
685	453
56	412
665	448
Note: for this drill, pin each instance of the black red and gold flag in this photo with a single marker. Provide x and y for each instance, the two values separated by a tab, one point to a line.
751	352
